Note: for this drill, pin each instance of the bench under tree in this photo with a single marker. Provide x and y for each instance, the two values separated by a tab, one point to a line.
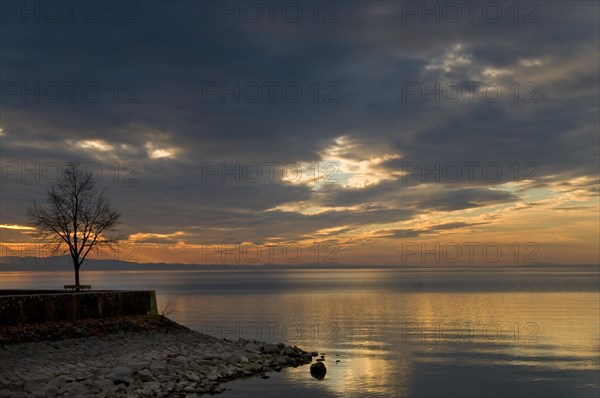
78	287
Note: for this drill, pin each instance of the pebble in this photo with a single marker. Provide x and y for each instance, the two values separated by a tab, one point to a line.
178	362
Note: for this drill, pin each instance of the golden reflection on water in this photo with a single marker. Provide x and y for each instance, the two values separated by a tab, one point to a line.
378	343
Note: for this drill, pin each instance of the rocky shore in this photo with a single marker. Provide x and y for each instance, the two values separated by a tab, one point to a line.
133	357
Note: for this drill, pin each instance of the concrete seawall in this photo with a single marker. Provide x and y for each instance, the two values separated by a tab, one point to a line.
36	306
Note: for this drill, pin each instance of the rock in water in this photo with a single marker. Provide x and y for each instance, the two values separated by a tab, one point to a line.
318	370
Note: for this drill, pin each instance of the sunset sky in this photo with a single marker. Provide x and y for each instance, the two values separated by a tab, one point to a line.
348	135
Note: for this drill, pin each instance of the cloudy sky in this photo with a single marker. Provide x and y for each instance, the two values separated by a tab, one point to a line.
357	132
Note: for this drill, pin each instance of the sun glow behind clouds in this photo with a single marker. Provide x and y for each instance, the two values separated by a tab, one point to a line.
340	164
142	236
17	227
157	153
97	145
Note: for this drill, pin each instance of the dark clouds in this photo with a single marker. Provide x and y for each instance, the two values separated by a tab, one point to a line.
167	60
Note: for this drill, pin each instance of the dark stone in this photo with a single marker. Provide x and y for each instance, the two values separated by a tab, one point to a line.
306	357
318	370
270	349
291	352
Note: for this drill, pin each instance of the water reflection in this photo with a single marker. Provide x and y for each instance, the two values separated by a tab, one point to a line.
542	344
391	338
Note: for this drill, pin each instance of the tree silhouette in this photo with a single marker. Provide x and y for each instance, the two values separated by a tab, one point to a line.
76	218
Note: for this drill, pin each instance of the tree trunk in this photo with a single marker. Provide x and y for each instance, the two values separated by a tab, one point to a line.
76	265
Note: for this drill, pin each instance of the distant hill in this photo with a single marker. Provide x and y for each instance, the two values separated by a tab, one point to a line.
63	263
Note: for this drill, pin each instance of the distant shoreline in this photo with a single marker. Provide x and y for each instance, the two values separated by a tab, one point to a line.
145	355
63	263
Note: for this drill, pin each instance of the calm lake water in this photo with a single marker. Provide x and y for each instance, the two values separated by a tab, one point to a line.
433	332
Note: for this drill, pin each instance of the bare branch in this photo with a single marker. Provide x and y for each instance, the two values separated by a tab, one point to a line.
76	217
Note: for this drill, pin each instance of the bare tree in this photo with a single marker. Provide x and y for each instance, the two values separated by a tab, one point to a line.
76	218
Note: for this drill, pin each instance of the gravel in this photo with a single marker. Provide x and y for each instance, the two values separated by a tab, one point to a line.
130	356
